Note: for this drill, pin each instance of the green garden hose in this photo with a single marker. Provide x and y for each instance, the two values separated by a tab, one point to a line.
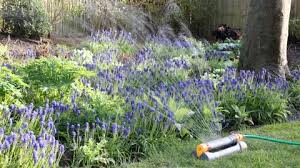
250	136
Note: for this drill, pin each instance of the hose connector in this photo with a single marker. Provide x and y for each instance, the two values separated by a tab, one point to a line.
239	137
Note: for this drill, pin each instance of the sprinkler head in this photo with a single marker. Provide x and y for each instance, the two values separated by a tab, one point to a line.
202	148
221	147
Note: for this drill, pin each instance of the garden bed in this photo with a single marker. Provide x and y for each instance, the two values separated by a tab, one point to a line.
127	99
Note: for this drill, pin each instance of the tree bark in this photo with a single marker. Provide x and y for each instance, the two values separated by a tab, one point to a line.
266	36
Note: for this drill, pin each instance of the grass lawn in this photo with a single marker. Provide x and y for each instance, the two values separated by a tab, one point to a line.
259	153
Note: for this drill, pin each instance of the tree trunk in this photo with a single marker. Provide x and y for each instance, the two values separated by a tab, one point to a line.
266	36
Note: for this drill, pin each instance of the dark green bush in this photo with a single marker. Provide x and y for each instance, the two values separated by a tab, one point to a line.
26	18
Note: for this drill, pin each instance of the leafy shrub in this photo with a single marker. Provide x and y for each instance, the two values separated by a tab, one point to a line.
49	78
53	72
25	18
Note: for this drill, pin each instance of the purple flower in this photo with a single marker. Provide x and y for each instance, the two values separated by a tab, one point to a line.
72	127
2	131
104	126
98	121
73	134
51	159
50	125
87	126
36	146
6	144
24	125
114	128
25	138
126	132
35	157
160	117
61	149
170	115
10	122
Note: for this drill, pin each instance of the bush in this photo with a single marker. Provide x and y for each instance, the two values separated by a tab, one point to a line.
26	18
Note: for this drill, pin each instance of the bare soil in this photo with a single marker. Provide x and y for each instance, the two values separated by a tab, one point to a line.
20	46
41	47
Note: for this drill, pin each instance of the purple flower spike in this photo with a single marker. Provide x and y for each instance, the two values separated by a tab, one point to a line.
114	128
35	157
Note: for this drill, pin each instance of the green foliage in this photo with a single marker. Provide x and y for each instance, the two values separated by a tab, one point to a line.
237	117
49	78
95	154
294	94
93	104
53	73
25	18
83	56
294	29
3	53
11	87
256	106
163	52
198	13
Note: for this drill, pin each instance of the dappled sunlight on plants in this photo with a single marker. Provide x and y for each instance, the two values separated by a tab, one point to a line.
117	100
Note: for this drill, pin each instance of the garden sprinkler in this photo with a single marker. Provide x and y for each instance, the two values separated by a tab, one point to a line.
221	147
232	144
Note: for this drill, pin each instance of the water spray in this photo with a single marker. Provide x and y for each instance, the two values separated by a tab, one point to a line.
232	144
